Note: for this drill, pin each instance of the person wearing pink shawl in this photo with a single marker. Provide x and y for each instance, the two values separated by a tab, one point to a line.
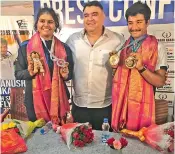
45	63
133	104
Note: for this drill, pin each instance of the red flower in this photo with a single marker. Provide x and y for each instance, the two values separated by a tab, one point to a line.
82	128
85	131
88	134
75	142
85	139
110	141
81	143
90	140
82	135
76	135
90	129
78	143
117	144
124	142
171	133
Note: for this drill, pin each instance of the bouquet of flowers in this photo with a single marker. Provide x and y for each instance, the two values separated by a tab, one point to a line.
160	137
25	127
78	134
117	144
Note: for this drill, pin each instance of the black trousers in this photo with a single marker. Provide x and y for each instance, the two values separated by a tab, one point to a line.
94	116
31	112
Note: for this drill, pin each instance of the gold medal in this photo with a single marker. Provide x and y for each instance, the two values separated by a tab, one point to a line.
114	59
130	62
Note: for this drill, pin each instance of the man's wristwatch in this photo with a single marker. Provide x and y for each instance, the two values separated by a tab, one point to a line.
142	70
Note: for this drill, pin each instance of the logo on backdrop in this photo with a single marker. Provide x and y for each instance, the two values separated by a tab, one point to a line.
163	96
166	34
22	24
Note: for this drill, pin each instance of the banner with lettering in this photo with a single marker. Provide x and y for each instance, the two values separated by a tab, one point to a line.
14	30
71	11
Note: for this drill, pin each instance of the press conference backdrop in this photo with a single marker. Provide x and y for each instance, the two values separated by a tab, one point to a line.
162	26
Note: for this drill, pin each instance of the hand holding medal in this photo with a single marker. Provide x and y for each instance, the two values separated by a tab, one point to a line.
64	71
134	60
113	60
130	62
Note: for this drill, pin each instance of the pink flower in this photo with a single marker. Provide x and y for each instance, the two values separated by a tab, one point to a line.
117	145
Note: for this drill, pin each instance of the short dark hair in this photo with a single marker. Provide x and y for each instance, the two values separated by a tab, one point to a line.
138	7
93	3
50	11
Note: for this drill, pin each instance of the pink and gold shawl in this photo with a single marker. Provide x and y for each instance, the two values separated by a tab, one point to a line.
12	142
133	104
49	96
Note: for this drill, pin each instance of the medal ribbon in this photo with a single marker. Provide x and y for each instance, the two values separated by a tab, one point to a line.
136	45
134	42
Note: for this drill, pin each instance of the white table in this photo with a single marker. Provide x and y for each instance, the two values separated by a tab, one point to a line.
52	143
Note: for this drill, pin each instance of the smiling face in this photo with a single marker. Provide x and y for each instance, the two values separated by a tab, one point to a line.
46	26
137	25
93	18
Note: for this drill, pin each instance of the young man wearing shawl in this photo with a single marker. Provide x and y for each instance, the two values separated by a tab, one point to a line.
133	104
46	95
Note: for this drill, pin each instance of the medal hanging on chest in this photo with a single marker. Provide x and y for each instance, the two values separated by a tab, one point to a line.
131	61
114	58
